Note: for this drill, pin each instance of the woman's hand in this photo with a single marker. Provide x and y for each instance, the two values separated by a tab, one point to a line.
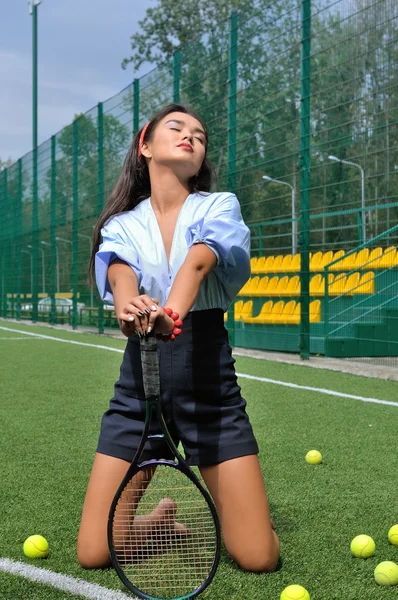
141	315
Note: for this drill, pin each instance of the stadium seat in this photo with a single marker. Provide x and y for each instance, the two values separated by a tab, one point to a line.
326	259
287	310
262	287
272	284
362	258
366	284
389	258
374	256
282	285
316	260
294	317
295	264
315	311
263	317
293	287
253	264
267	265
352	284
321	289
286	262
336	288
337	266
276	311
315	284
277	264
246	310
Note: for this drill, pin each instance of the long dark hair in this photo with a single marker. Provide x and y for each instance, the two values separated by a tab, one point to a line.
134	183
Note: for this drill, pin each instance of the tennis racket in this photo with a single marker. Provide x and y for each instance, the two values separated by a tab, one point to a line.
163	530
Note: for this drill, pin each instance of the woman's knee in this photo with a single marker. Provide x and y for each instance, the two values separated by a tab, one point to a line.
257	559
92	557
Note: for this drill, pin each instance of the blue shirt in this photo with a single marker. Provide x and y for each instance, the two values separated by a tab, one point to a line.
213	219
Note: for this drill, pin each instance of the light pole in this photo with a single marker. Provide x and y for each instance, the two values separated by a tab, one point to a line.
363	217
43	276
294	223
31	269
83	235
56	259
33	4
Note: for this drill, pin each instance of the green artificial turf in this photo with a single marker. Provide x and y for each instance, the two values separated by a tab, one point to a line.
53	395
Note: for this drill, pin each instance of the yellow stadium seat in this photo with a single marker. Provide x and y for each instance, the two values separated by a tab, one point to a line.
286	262
253	264
271	288
293	287
238	309
287	310
250	286
326	259
263	317
352	284
337	266
362	258
246	311
389	258
282	285
367	283
321	289
295	264
374	258
266	266
277	264
315	311
315	262
244	290
294	318
315	284
338	286
260	264
262	287
276	311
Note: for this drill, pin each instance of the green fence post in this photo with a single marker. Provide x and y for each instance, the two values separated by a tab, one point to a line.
75	223
54	262
136	107
232	102
18	227
5	267
176	75
305	159
35	238
100	184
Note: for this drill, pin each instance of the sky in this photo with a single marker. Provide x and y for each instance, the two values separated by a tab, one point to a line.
81	44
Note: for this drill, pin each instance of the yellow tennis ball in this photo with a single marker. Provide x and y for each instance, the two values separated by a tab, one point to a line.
295	592
386	573
313	457
393	535
363	546
36	546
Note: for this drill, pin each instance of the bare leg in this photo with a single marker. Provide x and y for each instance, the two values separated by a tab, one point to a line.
106	476
238	491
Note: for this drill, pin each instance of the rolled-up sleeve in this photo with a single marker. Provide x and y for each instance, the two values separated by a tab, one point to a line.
115	244
223	230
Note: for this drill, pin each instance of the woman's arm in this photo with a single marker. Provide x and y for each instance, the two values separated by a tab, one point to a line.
128	301
198	264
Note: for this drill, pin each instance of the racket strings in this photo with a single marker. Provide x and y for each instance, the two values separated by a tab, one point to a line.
164	534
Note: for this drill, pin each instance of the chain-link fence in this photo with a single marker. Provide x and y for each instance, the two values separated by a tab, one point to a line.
301	102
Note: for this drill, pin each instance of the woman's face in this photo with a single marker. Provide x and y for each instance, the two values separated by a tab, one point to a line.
178	142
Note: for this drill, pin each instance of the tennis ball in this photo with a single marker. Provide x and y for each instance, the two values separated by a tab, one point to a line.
363	546
386	573
295	592
393	535
313	457
36	546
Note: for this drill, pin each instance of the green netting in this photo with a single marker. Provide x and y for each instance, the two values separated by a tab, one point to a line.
301	102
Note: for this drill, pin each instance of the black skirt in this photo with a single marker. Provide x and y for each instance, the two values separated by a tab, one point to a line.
200	398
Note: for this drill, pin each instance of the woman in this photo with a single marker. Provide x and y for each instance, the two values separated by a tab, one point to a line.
169	242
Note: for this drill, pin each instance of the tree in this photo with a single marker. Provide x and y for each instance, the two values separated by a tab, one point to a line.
4	164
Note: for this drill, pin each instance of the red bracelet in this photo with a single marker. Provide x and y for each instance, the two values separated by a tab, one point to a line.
177	322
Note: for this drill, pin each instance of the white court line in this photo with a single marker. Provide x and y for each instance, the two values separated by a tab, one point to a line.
66	583
243	375
16	338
